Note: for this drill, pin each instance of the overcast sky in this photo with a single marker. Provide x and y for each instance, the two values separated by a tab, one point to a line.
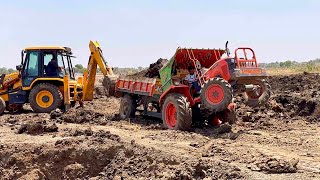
138	32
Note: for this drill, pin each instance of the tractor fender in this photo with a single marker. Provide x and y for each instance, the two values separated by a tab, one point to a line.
219	69
180	89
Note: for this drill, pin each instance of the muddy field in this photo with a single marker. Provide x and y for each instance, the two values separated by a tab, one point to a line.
278	141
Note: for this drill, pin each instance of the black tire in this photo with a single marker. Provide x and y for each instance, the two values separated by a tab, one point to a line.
2	106
182	115
127	107
263	97
216	95
56	94
197	118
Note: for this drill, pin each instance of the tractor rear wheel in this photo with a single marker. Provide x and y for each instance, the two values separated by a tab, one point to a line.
216	94
45	98
2	106
177	113
127	107
258	97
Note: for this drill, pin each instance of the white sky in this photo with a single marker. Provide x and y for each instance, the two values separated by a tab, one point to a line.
136	33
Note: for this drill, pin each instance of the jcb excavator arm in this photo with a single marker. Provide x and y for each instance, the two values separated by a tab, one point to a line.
96	59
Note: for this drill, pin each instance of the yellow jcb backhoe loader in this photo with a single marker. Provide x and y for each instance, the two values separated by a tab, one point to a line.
46	79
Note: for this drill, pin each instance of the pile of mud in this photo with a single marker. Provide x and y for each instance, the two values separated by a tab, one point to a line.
152	71
79	115
98	156
293	97
37	127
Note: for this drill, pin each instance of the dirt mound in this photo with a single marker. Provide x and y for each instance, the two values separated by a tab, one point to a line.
275	165
293	97
79	116
153	70
36	128
107	159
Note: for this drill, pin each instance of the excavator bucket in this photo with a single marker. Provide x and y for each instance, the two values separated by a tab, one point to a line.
109	83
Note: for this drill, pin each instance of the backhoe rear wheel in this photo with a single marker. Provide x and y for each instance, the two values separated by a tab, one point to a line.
45	98
216	94
2	106
177	113
127	107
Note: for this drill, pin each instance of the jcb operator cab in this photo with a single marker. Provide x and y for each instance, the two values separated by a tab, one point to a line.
45	62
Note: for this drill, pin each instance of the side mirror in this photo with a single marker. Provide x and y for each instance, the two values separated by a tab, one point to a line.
19	67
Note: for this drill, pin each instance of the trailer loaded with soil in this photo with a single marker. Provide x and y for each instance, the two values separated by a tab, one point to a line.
180	104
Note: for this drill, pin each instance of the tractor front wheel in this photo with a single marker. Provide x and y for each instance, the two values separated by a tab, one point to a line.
259	96
177	113
45	98
127	107
216	94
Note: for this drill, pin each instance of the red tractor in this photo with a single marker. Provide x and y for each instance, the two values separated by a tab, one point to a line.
216	81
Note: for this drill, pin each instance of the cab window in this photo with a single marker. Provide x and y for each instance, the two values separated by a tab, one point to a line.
32	66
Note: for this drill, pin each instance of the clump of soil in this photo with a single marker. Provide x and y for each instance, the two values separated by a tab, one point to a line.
80	115
275	165
74	158
36	128
153	70
89	132
293	97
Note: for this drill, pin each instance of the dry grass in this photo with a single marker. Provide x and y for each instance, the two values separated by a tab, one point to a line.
288	71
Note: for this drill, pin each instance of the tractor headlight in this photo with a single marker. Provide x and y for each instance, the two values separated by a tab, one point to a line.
176	83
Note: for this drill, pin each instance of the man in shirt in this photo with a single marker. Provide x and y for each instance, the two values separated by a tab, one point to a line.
192	80
53	68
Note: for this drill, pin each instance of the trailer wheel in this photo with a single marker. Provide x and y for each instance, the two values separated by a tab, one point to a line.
216	94
2	106
45	97
258	97
176	112
127	107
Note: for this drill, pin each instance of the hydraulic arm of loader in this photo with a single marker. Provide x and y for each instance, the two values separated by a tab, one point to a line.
89	76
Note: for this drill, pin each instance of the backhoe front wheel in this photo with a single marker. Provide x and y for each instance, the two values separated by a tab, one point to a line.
177	113
45	98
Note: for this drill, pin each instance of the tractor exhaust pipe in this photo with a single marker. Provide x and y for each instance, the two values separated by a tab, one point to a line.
227	49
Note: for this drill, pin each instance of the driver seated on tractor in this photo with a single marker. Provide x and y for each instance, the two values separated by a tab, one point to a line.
53	68
192	80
